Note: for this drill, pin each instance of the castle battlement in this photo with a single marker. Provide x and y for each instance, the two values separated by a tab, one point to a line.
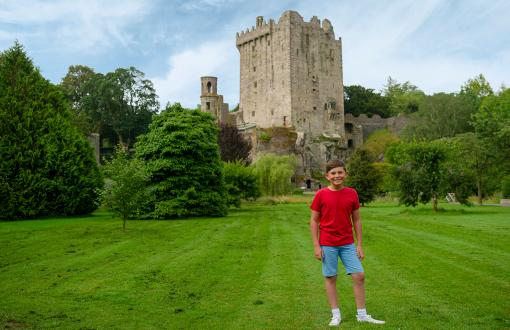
262	29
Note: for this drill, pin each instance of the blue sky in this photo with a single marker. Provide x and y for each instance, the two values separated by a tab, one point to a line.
436	45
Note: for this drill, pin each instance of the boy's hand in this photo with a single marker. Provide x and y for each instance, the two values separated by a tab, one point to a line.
359	252
318	252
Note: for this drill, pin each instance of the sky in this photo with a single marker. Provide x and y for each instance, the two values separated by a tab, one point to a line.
436	45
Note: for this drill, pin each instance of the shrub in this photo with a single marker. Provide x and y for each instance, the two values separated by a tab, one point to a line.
241	183
46	166
274	174
182	157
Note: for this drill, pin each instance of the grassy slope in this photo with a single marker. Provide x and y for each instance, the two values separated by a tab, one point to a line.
253	269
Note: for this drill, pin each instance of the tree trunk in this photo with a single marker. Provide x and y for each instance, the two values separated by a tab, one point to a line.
123	145
479	191
434	203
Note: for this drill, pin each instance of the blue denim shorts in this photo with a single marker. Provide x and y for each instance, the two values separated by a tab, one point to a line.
347	254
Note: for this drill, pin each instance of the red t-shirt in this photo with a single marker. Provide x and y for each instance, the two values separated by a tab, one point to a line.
335	208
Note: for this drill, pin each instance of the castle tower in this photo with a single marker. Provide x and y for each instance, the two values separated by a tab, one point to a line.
291	76
210	101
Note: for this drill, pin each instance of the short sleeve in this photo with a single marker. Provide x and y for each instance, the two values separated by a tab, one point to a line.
355	202
316	203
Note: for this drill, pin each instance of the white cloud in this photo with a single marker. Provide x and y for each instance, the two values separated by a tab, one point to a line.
78	25
204	5
181	82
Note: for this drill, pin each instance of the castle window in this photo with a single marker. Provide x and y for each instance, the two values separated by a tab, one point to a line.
209	87
253	48
269	42
348	127
253	113
254	68
314	90
255	84
314	108
350	143
284	120
325	106
208	105
272	112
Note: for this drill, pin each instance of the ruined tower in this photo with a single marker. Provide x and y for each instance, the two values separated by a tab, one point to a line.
291	77
210	101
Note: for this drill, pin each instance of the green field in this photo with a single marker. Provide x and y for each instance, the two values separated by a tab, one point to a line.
254	270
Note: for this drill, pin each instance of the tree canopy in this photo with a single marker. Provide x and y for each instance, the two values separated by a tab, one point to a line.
440	115
182	157
360	100
122	102
423	173
46	166
404	98
363	175
233	146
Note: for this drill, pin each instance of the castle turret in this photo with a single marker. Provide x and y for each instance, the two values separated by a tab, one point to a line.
210	101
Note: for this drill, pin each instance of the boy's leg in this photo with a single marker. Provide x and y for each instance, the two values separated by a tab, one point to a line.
329	271
358	285
355	269
330	283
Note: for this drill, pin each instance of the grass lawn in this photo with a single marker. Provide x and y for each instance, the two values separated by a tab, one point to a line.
254	270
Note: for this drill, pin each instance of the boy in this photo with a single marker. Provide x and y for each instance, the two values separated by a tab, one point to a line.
335	210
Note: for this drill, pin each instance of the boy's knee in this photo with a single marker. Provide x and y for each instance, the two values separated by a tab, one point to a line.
358	277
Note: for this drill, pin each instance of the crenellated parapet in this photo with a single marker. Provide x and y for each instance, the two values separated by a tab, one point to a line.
262	29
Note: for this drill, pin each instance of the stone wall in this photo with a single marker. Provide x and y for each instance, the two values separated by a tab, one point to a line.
291	77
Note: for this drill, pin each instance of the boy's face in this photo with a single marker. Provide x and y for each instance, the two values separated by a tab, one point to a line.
336	176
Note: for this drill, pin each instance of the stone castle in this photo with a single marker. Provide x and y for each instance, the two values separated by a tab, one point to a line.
291	94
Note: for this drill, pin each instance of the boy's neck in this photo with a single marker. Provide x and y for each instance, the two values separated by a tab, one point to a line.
336	188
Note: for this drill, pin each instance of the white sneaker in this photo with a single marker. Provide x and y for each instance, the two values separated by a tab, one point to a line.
335	321
369	319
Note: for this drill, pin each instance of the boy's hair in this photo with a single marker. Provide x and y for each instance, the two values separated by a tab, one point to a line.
334	163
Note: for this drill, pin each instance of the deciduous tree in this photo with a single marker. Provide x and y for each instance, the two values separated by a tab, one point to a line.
125	192
363	175
358	100
233	146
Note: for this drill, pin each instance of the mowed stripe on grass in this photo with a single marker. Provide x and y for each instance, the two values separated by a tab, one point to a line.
253	270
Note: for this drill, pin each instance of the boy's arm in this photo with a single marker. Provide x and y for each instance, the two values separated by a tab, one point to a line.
356	221
314	229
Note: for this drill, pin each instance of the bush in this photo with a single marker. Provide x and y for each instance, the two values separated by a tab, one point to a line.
182	157
274	174
505	187
46	166
241	183
125	194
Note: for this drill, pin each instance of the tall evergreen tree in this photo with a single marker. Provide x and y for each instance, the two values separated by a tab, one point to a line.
46	166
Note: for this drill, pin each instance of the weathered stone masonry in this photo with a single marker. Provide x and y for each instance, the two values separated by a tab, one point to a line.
291	93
